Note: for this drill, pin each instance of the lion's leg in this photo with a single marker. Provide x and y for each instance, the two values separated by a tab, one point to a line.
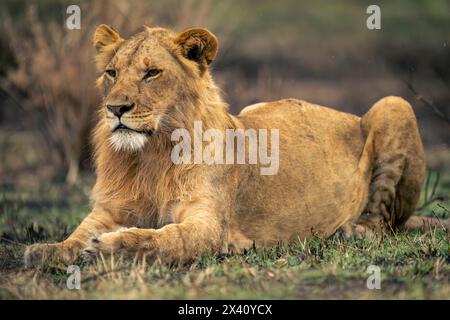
95	223
197	232
398	164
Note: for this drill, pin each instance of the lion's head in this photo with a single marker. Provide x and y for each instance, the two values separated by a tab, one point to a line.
150	81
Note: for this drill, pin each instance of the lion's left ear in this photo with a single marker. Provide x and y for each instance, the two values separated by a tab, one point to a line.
199	45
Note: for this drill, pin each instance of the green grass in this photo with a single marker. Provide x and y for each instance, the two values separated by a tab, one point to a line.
412	266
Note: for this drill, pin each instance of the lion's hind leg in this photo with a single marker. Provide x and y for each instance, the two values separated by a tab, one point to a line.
398	166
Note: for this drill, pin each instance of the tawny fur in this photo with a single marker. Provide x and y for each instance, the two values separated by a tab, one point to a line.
336	172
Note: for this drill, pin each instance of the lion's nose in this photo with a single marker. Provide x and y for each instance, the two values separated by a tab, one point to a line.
120	110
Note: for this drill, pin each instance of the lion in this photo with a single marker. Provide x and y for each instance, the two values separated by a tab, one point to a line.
339	174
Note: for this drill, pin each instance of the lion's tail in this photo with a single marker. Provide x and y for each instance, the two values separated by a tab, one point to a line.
425	224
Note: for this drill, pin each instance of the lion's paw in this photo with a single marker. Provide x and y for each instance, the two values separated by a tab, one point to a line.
38	253
106	243
352	232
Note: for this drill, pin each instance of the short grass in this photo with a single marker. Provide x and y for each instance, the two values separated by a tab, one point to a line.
413	266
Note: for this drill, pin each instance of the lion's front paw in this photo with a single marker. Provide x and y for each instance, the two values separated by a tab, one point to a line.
107	243
353	231
38	253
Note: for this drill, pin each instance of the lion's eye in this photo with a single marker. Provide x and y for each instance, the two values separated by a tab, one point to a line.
111	73
152	73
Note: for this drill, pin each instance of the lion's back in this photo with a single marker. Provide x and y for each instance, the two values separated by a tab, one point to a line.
299	119
319	150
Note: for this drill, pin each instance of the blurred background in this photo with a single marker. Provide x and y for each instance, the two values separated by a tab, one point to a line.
320	51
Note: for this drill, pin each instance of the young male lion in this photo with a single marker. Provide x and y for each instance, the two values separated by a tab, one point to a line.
337	171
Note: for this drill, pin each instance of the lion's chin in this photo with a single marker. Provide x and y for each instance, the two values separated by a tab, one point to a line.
127	140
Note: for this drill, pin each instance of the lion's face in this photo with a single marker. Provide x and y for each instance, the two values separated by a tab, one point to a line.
147	79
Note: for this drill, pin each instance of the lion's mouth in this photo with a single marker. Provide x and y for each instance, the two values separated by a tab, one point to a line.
122	127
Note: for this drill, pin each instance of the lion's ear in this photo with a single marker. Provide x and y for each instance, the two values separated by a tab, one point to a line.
199	45
106	41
